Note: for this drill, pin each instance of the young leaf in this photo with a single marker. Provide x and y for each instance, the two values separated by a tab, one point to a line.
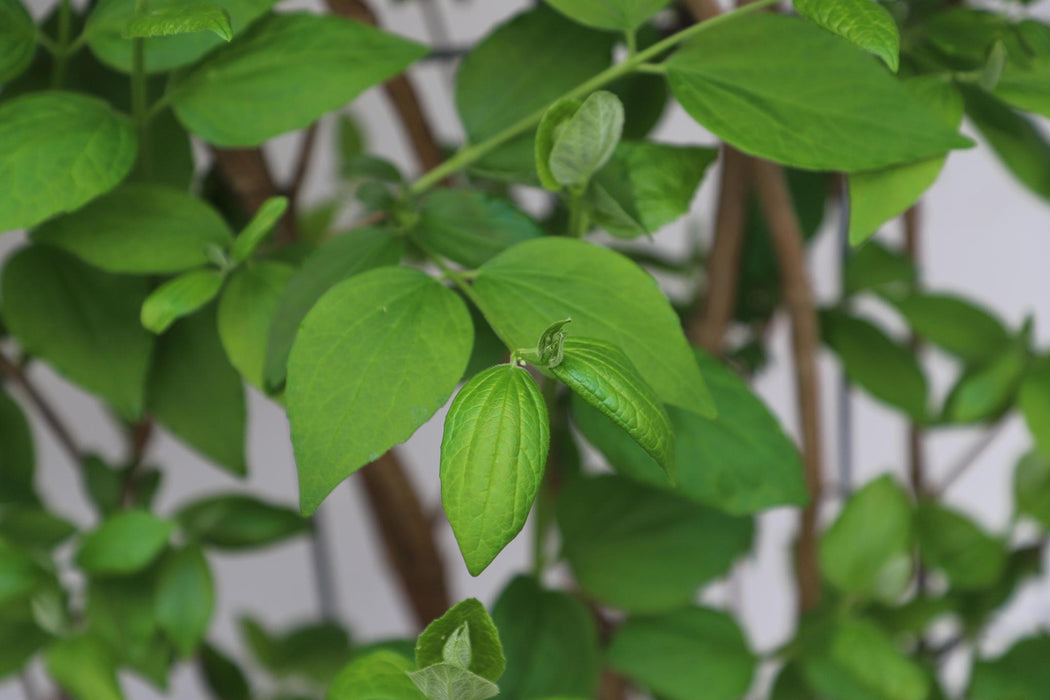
82	321
259	227
951	542
411	334
1034	400
179	297
124	543
446	681
471	227
172	21
584	142
524	288
17	461
246	310
235	522
17	40
88	150
685	654
84	668
1016	139
550	641
867	551
599	373
493	455
334	261
381	674
486	651
546	133
197	395
955	325
1032	487
283	73
616	15
185	598
641	549
867	24
772	86
140	229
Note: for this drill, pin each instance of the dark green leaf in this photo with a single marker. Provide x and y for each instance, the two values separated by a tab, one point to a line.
124	543
19	573
17	460
180	297
486	651
185	598
17	40
1034	400
471	227
951	542
34	527
876	268
315	652
121	614
171	21
239	522
1021	673
621	15
954	324
867	24
84	668
20	640
224	678
246	310
1032	487
382	675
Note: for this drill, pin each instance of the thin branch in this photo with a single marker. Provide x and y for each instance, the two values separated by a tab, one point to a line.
141	433
16	374
786	234
968	458
302	166
845	412
916	458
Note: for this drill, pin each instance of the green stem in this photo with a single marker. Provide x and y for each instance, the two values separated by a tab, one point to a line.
470	154
578	219
631	38
65	28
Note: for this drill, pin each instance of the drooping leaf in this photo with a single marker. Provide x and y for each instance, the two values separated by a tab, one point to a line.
493	455
17	39
172	21
526	287
17	459
246	310
283	73
585	141
867	24
185	598
237	522
58	151
621	15
1034	401
179	297
373	360
124	543
486	651
140	229
1032	487
687	654
951	542
783	89
259	227
954	324
82	321
381	675
223	677
470	227
314	651
1018	674
84	668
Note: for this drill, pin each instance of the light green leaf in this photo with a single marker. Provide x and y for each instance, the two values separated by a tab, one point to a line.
197	395
865	23
246	310
607	296
381	675
373	360
867	551
185	598
141	229
124	543
493	455
881	366
17	459
334	261
876	268
688	654
1018	674
457	649
471	227
955	325
985	391
1032	487
1026	86
179	297
187	19
235	522
550	641
84	668
951	542
82	321
642	549
603	376
486	651
584	142
781	88
1034	400
284	73
58	151
314	651
446	681
17	39
1016	139
617	15
259	227
546	133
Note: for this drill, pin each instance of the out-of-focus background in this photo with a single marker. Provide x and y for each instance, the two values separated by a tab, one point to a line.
984	236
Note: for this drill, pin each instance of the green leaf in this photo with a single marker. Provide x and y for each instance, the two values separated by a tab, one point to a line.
471	227
381	675
121	614
617	15
1034	401
171	21
179	297
140	229
84	668
373	360
523	289
867	24
19	573
223	677
185	598
235	522
259	227
20	640
17	460
951	542
17	40
985	391
546	133
1018	674
955	325
1032	487
197	395
334	261
518	70
283	73
109	20
603	376
1025	86
315	651
642	549
246	310
688	654
783	89
646	186
486	651
867	551
877	196
584	142
550	641
881	366
493	455
124	543
445	681
58	151
876	268
34	527
82	321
